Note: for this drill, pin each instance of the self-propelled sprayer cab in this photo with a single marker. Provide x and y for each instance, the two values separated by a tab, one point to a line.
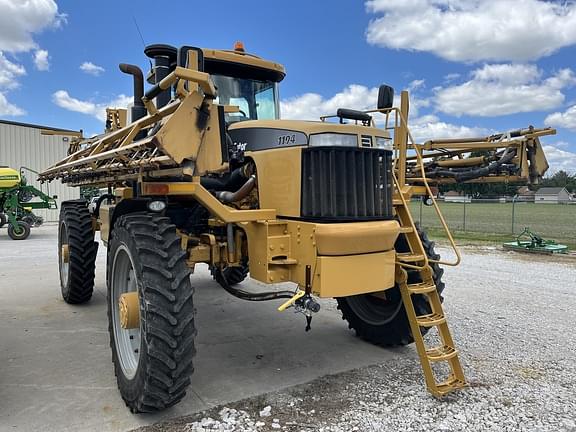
241	79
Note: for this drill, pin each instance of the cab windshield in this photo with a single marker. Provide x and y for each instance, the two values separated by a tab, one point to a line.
257	100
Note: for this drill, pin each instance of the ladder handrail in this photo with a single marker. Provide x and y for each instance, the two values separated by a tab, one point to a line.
420	162
412	225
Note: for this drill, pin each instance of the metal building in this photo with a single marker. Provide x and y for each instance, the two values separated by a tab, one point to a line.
24	145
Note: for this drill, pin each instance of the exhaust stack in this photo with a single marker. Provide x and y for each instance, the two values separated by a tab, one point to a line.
164	62
138	110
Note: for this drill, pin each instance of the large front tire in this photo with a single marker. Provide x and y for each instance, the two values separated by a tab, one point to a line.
384	321
77	252
153	361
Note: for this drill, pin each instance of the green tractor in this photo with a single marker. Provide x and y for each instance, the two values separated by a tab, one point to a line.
17	205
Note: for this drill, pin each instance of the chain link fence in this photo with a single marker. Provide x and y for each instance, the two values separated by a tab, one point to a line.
551	221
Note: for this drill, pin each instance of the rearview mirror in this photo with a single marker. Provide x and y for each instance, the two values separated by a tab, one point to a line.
385	97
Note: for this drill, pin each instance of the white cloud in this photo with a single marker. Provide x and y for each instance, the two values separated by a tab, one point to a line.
91	68
98	110
474	30
7	109
41	60
566	119
451	77
311	106
19	20
416	84
9	73
500	89
429	127
562	144
560	159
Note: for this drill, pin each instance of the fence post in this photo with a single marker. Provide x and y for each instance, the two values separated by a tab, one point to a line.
421	202
464	220
513	211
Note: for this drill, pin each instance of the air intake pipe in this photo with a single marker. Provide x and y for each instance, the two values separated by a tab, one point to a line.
164	62
138	110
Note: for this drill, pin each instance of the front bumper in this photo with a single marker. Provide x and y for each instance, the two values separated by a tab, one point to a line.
344	258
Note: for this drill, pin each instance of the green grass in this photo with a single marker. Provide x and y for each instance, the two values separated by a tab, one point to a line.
492	222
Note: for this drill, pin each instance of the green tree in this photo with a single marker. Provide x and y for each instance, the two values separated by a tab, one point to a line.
560	179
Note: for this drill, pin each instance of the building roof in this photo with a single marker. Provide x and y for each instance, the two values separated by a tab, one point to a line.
453	194
35	126
525	191
550	190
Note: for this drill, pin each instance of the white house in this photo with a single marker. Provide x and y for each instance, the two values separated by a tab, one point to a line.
457	197
552	195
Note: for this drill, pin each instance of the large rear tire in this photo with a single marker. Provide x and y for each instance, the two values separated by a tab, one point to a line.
384	321
153	361
77	252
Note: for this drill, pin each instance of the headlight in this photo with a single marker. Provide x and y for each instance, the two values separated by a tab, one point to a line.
334	139
156	206
384	143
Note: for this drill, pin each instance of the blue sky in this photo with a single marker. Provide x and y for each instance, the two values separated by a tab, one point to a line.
474	67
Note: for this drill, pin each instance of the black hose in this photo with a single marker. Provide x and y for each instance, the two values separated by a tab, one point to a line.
232	182
230	197
245	295
99	202
470	174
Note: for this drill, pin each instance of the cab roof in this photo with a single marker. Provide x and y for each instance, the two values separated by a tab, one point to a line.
221	61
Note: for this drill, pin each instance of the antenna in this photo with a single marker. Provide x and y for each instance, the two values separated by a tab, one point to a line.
139	32
141	37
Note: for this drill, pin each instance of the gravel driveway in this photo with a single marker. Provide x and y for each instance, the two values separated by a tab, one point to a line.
512	317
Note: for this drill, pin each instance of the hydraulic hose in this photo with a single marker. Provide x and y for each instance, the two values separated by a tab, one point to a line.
230	197
234	181
470	174
245	295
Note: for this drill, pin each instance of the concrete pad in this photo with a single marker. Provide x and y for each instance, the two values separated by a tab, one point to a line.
55	363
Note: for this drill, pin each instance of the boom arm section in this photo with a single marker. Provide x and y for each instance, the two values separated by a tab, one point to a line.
185	134
515	156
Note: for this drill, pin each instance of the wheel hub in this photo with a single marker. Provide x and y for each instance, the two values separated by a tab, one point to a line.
129	309
65	253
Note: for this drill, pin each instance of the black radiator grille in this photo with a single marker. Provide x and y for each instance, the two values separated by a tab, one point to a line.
343	183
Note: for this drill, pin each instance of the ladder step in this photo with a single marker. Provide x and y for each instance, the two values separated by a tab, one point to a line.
441	353
449	385
430	320
421	288
406	230
397	202
409	257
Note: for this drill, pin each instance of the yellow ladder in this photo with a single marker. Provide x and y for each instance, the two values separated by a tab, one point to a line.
417	260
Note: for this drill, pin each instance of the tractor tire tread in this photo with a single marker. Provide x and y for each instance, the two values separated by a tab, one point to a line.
83	250
169	324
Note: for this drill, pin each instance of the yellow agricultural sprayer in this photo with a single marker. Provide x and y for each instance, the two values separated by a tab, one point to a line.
202	170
